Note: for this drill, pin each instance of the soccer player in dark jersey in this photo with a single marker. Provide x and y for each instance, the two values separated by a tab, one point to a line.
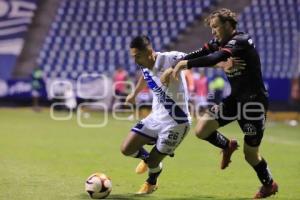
248	101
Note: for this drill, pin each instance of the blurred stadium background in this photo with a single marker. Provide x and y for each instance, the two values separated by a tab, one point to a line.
68	39
63	54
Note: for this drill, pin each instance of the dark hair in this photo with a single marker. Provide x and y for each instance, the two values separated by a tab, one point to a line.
225	15
140	42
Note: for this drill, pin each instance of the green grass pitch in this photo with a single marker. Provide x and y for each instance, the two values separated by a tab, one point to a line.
41	158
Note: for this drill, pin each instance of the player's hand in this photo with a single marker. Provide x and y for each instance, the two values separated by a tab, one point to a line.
237	64
165	77
130	99
181	65
232	64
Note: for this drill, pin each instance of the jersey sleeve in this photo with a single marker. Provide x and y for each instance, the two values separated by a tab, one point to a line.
230	47
237	45
198	53
234	47
213	55
209	60
207	48
174	57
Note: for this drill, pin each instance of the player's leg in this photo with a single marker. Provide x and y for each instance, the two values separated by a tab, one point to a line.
140	135
252	125
259	164
155	168
133	145
208	124
169	139
144	132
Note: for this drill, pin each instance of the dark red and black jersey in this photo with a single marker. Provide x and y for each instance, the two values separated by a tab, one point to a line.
244	82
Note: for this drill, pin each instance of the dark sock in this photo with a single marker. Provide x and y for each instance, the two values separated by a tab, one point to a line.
263	173
218	140
152	179
142	154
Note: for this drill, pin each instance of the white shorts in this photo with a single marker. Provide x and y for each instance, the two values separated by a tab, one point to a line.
166	136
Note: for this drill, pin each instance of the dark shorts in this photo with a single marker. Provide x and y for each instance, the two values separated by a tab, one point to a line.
250	114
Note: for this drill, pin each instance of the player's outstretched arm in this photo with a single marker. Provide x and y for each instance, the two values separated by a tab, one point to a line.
198	53
141	84
205	61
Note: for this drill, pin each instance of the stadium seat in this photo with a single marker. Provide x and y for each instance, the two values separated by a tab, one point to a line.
275	33
97	32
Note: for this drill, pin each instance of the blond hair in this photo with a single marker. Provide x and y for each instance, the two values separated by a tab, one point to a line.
225	15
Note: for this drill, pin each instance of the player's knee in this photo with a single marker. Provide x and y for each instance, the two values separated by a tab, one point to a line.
199	134
253	140
125	150
200	130
204	129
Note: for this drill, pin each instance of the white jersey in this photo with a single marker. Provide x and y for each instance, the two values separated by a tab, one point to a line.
170	104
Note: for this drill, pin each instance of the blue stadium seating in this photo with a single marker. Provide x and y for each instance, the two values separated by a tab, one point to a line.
274	27
94	35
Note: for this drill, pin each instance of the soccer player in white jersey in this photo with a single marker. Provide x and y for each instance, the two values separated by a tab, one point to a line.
168	123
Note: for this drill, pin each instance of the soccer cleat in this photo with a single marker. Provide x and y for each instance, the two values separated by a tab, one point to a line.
147	188
266	191
233	145
141	168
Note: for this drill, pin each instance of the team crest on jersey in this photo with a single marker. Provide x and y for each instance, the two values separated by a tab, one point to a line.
250	41
232	42
249	129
